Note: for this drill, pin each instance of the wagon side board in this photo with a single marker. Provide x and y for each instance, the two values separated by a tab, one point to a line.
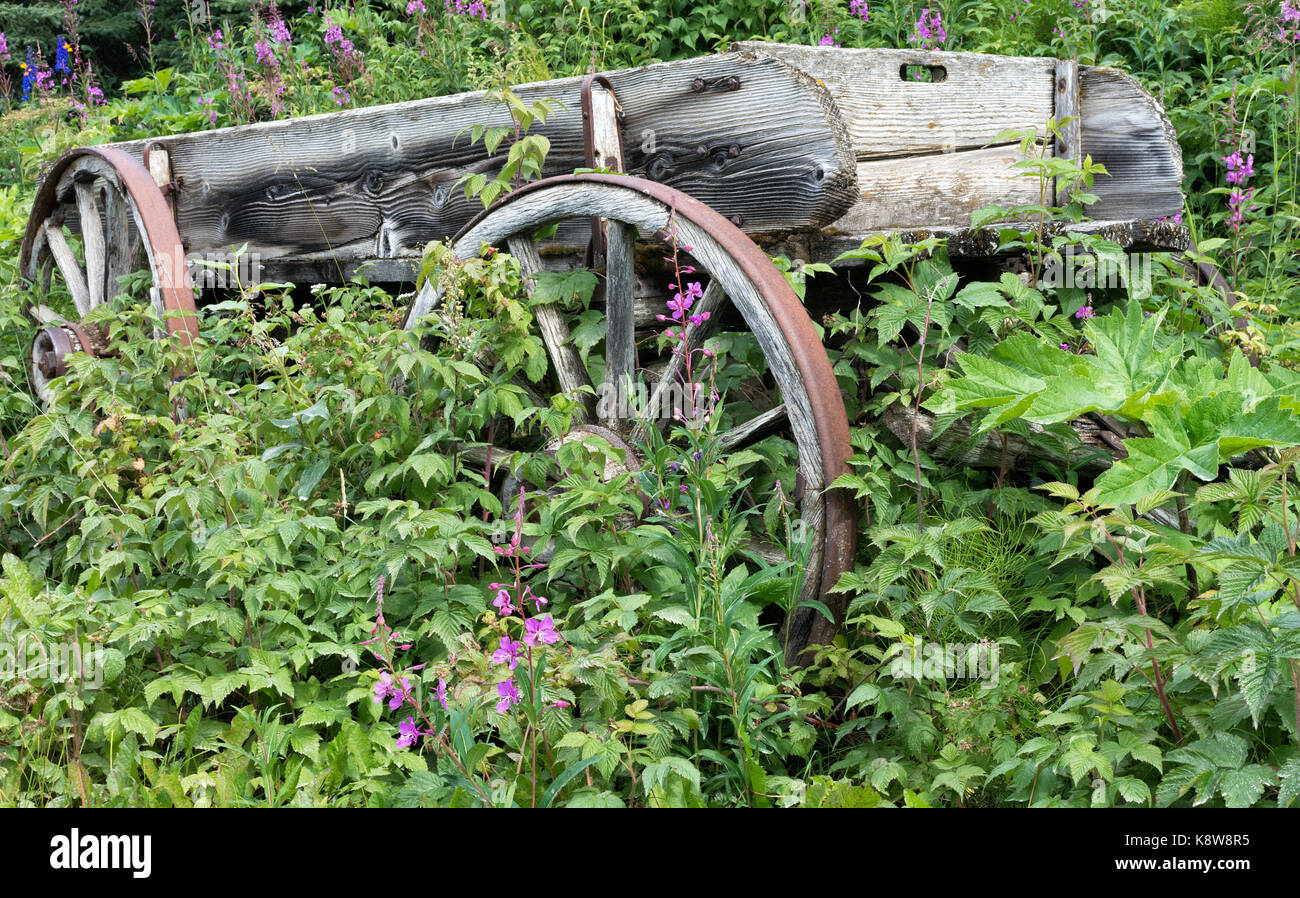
929	153
754	138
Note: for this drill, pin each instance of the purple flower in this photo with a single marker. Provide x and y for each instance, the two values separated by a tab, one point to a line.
1239	170
397	695
508	653
215	41
280	32
1085	312
414	7
265	52
409	733
4	47
502	602
929	33
442	693
860	9
542	628
828	41
509	695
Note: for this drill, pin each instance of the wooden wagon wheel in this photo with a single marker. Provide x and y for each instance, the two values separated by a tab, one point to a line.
109	201
811	407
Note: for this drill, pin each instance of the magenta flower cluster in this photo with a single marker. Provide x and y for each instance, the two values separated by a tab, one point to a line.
393	687
474	9
861	9
928	33
1085	312
1289	29
1239	172
509	600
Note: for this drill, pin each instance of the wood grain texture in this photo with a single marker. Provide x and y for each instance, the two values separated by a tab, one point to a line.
381	182
888	116
936	191
620	320
1126	129
1069	145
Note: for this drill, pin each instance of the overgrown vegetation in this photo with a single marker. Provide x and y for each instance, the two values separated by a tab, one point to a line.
303	592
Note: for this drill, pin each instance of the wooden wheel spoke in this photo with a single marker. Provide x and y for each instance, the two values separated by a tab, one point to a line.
756	428
570	373
73	276
92	241
620	311
696	334
122	244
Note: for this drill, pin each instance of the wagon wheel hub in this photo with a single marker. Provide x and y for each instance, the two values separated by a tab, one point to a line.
51	347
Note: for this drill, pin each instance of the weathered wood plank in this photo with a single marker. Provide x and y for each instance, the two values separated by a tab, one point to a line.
1126	129
620	323
936	191
1069	145
92	241
69	266
381	182
888	115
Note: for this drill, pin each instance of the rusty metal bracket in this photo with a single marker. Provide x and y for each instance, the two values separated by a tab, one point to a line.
721	84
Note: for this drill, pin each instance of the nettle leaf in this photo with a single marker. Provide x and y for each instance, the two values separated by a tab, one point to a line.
1290	783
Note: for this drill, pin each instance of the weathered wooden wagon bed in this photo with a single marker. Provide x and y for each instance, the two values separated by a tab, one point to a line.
800	150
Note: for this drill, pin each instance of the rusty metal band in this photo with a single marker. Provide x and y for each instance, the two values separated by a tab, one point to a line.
809	355
163	240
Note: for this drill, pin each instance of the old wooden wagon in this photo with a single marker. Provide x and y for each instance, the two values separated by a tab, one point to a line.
766	149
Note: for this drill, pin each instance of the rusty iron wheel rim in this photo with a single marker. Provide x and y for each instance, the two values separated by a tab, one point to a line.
809	356
154	222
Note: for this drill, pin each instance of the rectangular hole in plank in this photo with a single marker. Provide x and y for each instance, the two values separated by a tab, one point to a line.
923	73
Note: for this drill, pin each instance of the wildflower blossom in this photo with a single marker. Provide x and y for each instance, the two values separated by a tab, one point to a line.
61	55
540	628
442	693
828	39
503	602
4	47
509	693
415	6
280	32
1085	312
860	9
474	9
508	653
408	733
928	32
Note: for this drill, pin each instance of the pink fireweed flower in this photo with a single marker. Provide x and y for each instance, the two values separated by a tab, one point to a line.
827	40
860	9
509	695
397	695
442	693
265	52
415	6
542	628
1239	170
280	32
928	32
408	733
1085	312
503	602
508	653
